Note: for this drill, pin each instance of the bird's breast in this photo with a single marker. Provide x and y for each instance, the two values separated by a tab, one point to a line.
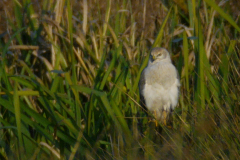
161	87
164	74
160	98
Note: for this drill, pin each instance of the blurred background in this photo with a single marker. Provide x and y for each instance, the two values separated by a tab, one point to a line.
69	77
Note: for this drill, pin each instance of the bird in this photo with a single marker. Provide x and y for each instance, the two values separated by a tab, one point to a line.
159	85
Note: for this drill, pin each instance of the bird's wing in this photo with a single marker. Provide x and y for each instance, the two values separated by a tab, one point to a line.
141	86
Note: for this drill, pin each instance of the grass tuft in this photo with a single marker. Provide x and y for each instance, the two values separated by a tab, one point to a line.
69	76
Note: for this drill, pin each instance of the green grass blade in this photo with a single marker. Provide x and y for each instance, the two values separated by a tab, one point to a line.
158	39
18	117
107	15
186	58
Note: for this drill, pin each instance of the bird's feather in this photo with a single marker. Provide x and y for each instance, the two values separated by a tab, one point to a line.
159	84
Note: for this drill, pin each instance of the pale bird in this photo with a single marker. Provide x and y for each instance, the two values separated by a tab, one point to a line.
159	85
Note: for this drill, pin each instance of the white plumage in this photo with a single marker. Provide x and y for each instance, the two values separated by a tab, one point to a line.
159	84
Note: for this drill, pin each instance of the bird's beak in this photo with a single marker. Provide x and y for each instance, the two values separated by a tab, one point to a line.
153	57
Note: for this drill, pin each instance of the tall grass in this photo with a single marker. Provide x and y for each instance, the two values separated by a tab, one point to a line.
69	77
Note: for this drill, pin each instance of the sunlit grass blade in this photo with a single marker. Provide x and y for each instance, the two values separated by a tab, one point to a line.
223	14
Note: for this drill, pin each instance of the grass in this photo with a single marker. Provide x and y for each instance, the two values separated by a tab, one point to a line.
69	77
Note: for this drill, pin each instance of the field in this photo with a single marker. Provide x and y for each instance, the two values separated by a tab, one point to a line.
69	76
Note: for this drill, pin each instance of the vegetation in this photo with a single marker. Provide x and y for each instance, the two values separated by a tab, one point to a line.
69	77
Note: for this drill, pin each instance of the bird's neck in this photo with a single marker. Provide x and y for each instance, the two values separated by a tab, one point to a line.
159	60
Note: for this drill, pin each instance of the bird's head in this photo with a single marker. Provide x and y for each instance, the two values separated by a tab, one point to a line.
159	54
